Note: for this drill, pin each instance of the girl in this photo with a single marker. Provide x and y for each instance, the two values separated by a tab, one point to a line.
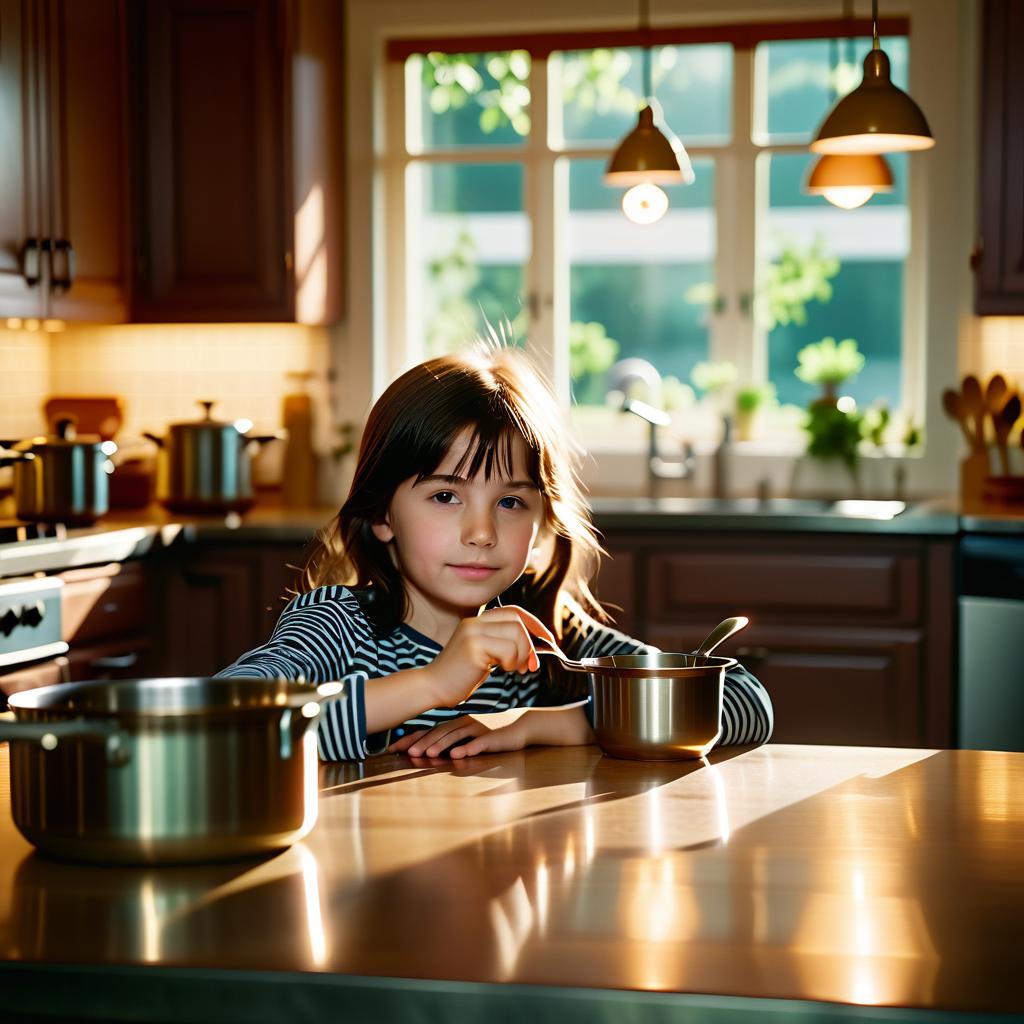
464	496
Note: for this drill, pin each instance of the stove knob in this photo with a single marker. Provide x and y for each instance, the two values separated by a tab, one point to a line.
9	619
33	614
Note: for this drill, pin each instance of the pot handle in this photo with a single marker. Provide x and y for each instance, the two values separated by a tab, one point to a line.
308	706
49	735
9	458
158	441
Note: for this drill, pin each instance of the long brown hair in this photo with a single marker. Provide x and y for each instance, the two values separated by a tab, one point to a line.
496	394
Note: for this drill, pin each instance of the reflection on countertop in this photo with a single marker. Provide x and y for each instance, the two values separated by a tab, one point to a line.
867	876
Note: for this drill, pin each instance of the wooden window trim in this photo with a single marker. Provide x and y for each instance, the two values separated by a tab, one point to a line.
742	36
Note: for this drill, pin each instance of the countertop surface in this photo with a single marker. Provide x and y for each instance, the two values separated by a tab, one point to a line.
877	877
123	535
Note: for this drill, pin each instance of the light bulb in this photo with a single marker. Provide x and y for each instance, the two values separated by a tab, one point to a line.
848	197
644	203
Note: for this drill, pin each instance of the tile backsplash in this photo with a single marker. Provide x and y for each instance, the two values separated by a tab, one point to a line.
24	379
995	344
162	371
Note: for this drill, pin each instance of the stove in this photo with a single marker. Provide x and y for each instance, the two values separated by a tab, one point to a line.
12	531
30	619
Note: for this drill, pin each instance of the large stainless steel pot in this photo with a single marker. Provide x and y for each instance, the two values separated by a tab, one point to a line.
60	479
206	465
165	770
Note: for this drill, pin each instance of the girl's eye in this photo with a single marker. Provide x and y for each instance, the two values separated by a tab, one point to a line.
444	497
511	501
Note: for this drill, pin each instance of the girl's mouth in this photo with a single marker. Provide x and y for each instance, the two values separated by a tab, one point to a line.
473	572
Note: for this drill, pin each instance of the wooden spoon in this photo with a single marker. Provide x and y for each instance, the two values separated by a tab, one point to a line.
996	394
1004	424
974	406
953	407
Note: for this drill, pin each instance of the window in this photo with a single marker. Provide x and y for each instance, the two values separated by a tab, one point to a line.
505	221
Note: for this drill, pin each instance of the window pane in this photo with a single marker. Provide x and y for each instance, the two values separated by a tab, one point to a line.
468	99
637	290
799	80
597	93
835	273
473	242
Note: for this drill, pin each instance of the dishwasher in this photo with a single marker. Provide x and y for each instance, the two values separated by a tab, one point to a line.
991	686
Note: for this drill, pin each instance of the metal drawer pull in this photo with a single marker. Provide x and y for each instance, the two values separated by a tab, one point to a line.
30	261
115	661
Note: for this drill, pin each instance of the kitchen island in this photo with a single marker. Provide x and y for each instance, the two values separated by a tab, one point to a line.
787	882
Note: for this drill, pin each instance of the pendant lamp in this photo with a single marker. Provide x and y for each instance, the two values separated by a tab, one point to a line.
878	116
650	152
849	180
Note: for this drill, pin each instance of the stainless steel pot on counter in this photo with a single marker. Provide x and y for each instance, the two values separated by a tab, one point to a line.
169	770
206	465
60	479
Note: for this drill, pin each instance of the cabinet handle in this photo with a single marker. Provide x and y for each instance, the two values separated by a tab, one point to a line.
115	661
30	261
62	282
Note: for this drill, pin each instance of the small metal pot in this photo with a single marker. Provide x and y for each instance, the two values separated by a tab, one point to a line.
173	770
61	479
656	707
206	465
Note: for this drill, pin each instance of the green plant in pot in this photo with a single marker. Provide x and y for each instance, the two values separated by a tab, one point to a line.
750	402
833	424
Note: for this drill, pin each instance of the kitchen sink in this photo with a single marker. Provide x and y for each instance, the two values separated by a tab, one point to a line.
787	508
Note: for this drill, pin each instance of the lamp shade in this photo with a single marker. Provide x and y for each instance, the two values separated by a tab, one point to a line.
647	154
877	117
849	180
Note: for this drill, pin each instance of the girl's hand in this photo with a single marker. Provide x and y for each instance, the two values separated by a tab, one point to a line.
498	637
473	735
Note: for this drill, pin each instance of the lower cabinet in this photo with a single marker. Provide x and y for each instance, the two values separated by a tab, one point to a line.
851	635
218	600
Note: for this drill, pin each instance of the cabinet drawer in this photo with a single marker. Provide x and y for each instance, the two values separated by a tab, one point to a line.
843	586
861	687
124	658
103	601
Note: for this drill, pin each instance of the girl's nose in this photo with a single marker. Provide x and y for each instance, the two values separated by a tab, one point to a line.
478	530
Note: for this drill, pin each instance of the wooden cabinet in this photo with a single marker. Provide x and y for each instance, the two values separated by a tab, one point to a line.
999	259
63	241
222	231
852	635
217	601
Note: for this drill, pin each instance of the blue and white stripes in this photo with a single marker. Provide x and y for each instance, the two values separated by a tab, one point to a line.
325	635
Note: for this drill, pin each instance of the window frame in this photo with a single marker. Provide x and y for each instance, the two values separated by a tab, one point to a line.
942	192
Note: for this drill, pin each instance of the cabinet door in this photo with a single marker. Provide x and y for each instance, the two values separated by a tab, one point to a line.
1000	259
20	154
212	117
85	86
217	602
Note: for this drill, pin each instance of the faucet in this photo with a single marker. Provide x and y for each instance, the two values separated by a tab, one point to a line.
658	468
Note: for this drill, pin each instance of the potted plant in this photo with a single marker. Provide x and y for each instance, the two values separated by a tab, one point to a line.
834	426
749	403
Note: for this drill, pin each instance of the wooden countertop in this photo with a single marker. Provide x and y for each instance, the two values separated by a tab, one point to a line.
869	876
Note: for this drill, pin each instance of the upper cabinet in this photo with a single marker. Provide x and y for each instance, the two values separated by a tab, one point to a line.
235	196
63	238
999	259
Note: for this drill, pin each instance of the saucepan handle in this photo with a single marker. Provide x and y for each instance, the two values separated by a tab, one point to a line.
49	735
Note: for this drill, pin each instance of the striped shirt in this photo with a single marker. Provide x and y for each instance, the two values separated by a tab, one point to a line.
325	634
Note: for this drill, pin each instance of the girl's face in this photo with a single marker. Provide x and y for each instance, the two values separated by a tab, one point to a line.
458	541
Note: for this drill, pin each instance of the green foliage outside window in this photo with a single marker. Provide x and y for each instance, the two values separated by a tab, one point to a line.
799	275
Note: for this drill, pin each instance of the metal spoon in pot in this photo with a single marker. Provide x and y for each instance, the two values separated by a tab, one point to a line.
718	635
